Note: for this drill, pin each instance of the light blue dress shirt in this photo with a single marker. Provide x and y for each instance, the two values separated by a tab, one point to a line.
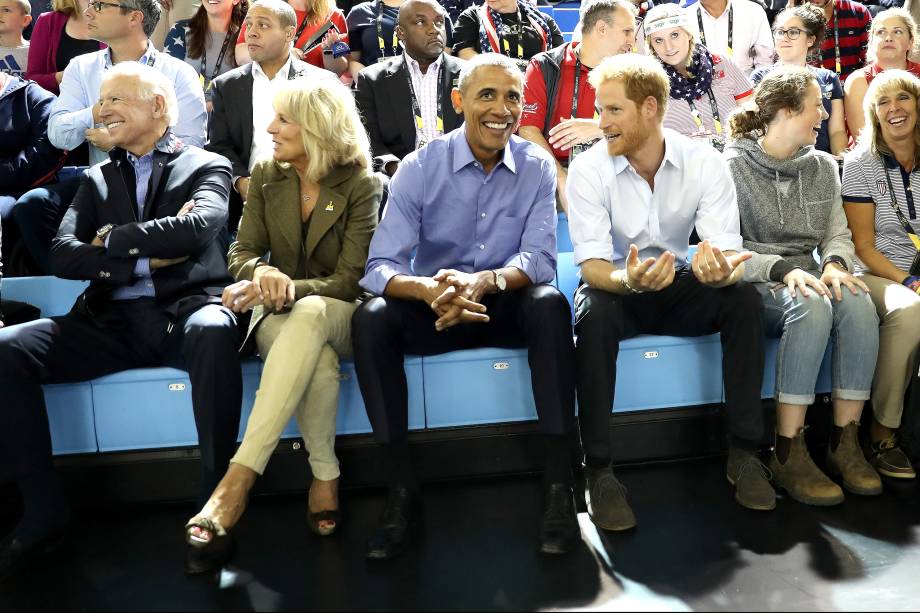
446	210
72	111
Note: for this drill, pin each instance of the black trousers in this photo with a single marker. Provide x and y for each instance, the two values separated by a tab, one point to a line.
537	317
685	308
73	348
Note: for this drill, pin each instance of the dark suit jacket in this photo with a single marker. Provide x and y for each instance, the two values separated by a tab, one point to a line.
230	131
188	173
382	95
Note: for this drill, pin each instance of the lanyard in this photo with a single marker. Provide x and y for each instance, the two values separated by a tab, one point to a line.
505	46
301	28
576	89
417	109
837	43
380	41
206	83
897	209
717	122
731	27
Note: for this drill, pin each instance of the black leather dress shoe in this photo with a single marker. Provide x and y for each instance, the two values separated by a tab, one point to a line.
559	532
14	555
399	517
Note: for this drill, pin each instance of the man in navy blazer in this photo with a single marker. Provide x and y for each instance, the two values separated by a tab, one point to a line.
148	228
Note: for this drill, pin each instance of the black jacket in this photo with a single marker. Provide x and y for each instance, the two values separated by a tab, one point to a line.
382	95
187	173
27	157
230	130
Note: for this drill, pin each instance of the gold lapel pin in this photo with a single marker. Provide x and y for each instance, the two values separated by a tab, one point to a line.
330	207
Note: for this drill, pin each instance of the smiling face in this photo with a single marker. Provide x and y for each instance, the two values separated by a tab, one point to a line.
891	40
266	39
672	45
422	29
791	39
491	102
803	127
129	119
287	140
896	110
626	125
219	7
13	20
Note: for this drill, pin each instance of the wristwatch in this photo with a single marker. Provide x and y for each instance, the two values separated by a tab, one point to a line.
103	232
501	284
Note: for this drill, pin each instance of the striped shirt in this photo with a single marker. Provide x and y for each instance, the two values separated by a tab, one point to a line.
426	88
853	21
728	86
864	182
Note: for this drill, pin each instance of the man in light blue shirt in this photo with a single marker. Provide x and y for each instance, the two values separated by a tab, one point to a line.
75	116
463	258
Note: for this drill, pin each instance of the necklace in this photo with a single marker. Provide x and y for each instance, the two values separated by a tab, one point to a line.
306	198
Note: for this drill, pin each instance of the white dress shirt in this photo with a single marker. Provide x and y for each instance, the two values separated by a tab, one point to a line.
752	40
426	89
612	206
263	112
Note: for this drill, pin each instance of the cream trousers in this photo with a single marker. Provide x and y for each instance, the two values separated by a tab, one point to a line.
300	378
898	311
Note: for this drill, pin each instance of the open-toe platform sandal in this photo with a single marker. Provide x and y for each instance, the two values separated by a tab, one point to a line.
315	519
206	556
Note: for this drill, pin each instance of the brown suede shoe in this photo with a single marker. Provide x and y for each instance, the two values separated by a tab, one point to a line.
889	459
751	480
801	479
848	461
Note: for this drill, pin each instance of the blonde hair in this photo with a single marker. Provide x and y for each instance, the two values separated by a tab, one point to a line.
319	10
909	23
642	77
667	11
784	88
150	83
887	82
330	126
70	7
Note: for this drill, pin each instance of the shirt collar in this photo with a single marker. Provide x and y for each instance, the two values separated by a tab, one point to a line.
285	69
463	155
168	144
890	161
413	63
728	5
671	154
149	55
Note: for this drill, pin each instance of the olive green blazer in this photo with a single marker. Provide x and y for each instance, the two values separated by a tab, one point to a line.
335	250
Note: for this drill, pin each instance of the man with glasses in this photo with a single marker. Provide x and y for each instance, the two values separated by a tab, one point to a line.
125	27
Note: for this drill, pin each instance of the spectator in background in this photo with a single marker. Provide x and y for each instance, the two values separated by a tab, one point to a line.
799	31
15	17
705	87
789	200
59	37
634	198
879	178
75	115
844	47
455	7
891	44
39	7
555	77
405	102
476	207
734	29
148	229
242	98
172	12
514	28
320	25
318	186
207	41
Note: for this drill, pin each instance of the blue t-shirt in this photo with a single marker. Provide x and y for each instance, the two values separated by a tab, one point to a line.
831	90
362	31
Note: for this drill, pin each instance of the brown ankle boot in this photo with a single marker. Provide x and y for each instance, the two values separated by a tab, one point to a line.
801	479
848	461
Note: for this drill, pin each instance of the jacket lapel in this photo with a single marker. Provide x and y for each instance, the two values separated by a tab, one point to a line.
401	103
282	211
245	102
118	196
160	160
330	205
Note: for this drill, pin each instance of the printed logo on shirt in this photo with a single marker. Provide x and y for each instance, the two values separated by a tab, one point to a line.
10	66
881	187
530	108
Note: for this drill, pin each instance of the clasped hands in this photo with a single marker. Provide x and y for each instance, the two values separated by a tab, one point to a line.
455	297
269	287
710	266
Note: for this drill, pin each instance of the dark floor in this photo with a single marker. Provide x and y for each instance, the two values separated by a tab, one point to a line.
694	549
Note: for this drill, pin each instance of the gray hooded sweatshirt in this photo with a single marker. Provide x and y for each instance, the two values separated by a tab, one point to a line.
788	208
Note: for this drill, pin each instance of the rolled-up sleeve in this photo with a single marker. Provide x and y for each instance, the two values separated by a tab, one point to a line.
589	219
537	255
397	236
71	112
717	218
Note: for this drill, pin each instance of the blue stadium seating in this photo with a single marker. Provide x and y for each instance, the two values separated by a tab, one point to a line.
566	18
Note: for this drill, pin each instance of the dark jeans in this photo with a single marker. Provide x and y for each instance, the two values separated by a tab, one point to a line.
538	317
73	348
685	308
38	214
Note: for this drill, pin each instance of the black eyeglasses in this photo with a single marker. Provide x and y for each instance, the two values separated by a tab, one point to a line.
97	6
790	33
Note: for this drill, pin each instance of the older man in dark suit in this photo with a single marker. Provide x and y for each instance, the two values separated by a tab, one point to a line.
405	100
148	228
242	97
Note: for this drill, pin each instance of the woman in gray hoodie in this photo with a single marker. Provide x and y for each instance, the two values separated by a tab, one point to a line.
789	200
